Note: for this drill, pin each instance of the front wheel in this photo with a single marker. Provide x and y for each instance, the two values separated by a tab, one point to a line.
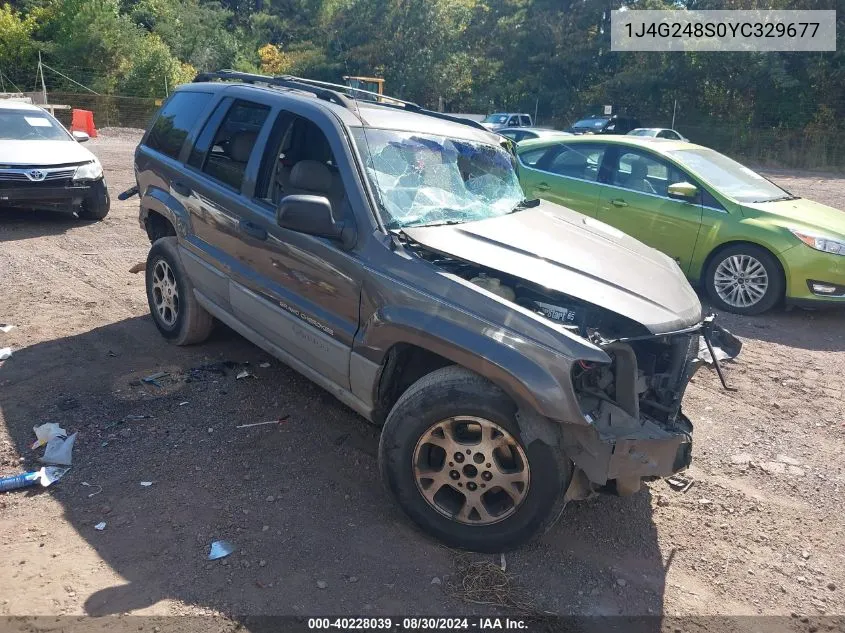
744	279
452	456
97	203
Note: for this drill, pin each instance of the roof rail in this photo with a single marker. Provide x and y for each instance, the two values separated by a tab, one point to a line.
284	81
335	93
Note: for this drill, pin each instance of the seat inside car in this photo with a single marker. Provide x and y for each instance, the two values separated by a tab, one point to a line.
230	166
306	165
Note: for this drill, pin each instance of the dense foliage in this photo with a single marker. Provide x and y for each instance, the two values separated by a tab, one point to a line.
470	55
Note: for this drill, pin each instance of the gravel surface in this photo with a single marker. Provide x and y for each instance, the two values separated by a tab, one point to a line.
759	532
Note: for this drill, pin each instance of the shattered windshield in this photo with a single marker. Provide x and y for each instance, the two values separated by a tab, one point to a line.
423	179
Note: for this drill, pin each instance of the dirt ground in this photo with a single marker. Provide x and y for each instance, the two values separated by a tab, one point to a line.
760	532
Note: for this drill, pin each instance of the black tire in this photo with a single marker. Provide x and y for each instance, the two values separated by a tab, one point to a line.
455	391
190	323
97	203
774	274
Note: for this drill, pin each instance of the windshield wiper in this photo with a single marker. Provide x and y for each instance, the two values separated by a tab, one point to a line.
525	204
433	223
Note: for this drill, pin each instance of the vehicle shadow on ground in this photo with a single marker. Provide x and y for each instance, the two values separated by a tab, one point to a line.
300	499
23	224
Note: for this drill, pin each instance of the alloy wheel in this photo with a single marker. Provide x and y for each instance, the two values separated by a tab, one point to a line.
165	293
741	281
471	470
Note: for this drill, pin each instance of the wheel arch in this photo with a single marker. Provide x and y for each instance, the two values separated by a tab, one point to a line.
725	245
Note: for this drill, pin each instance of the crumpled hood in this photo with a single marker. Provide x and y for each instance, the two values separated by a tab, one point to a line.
43	153
568	252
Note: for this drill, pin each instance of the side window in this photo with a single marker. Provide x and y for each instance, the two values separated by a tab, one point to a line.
577	161
303	163
667	134
526	122
708	200
531	157
641	172
176	119
203	142
514	121
234	142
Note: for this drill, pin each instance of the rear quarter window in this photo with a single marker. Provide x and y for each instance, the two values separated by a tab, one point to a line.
175	120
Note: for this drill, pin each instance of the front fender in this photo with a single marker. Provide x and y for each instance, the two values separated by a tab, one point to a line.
533	375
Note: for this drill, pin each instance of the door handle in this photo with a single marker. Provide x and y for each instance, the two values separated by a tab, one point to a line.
181	188
618	202
543	186
253	230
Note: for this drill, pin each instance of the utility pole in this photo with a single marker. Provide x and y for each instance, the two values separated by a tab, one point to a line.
536	106
43	86
674	107
166	93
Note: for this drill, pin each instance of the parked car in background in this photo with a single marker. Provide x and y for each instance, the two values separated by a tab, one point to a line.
748	242
517	134
389	255
600	124
501	120
43	166
658	132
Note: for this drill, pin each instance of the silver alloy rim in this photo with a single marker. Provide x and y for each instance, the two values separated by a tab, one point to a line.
471	470
165	293
741	281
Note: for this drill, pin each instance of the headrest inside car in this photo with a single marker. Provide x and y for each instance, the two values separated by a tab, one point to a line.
241	146
312	176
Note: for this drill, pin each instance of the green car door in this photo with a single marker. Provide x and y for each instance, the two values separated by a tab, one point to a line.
564	174
634	198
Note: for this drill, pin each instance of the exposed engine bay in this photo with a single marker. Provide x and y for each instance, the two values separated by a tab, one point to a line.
632	405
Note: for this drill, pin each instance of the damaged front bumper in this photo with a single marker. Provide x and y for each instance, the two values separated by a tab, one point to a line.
48	196
634	427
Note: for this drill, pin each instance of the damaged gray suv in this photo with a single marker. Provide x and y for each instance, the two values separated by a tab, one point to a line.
516	354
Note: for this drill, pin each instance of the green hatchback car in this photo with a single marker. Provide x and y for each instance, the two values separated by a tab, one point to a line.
748	242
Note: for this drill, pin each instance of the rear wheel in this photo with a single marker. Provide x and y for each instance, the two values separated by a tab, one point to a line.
452	455
176	312
744	279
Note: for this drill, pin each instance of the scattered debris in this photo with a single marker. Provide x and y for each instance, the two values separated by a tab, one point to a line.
484	582
773	468
85	483
146	484
264	365
6	328
435	581
244	373
281	420
680	483
705	502
45	476
138	268
100	526
182	404
220	549
621	582
127	418
219	368
59	451
503	563
5	353
153	379
46	432
322	584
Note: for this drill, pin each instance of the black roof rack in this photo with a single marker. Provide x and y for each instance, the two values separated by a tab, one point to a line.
335	93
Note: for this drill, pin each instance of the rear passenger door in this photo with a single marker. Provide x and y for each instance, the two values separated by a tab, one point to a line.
566	175
210	189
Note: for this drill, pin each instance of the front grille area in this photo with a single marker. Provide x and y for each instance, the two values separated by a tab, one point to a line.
51	175
53	183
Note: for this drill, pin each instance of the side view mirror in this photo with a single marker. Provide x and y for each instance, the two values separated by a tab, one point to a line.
313	215
80	137
682	190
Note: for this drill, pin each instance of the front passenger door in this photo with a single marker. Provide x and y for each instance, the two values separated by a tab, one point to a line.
635	200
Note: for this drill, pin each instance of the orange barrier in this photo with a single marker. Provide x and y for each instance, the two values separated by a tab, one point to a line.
83	121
